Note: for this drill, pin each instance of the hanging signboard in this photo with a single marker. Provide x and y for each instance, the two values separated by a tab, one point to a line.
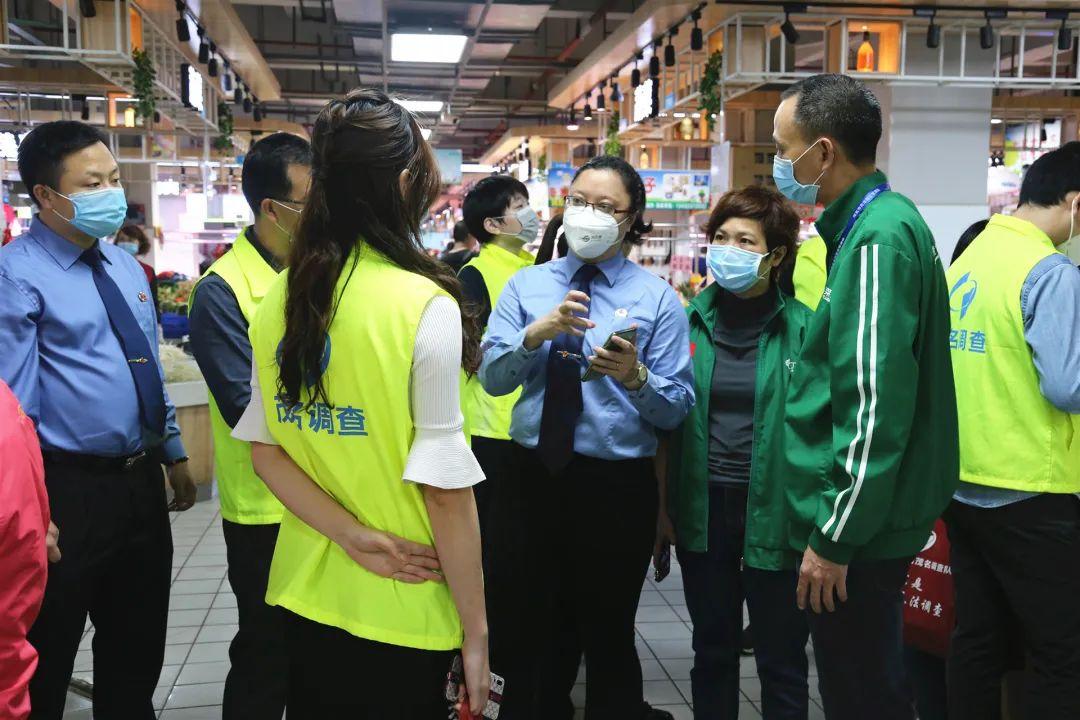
449	165
643	101
560	175
676	189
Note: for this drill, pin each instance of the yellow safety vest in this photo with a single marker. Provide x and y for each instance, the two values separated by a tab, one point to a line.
355	449
489	416
245	499
810	272
1010	435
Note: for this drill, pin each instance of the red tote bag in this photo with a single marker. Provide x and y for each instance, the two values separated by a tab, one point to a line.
929	607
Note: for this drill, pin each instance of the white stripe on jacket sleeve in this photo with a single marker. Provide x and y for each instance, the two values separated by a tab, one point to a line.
868	285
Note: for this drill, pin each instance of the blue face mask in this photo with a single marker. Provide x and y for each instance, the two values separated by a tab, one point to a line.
97	212
735	269
783	172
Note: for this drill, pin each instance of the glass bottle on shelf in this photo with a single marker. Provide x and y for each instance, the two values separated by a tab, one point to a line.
865	58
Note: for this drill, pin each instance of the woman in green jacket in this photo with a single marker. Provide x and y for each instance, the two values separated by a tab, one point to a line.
724	494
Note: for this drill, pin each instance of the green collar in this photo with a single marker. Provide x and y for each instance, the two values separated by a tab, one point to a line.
703	307
831	222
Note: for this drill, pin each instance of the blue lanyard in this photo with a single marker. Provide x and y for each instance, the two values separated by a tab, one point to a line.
867	199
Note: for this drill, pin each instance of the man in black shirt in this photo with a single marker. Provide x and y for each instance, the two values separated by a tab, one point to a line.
462	250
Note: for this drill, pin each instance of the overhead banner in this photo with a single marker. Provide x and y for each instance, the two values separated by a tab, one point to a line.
449	165
560	175
676	189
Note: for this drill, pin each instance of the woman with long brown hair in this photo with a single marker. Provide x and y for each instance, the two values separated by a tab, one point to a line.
357	428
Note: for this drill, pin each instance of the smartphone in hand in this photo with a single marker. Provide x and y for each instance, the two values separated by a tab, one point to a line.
455	683
627	334
662	564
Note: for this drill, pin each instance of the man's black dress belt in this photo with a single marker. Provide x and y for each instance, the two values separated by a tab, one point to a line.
97	463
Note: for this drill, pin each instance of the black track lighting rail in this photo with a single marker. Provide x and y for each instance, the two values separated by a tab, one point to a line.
208	55
1049	11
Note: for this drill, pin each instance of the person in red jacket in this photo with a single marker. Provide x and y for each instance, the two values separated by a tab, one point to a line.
27	538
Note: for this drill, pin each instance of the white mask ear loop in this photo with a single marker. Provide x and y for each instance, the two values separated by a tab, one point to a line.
818	179
57	212
284	232
1072	221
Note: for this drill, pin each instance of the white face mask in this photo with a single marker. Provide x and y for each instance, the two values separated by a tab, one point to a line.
589	233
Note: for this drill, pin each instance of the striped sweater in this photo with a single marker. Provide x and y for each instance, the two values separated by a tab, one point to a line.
870	437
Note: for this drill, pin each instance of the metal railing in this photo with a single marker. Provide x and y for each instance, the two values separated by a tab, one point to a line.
115	64
757	53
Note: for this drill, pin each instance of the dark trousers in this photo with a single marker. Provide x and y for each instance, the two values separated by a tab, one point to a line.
496	458
574	549
715	585
927	675
508	550
116	565
256	685
1016	567
860	647
333	674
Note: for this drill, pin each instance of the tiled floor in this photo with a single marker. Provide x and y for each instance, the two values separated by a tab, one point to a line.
202	620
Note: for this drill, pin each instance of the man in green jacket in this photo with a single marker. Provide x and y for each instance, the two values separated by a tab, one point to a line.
871	433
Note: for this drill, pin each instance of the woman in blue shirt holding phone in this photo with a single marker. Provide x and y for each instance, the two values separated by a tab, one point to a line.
585	505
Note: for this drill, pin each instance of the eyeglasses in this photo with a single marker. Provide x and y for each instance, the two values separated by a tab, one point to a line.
574	201
287	204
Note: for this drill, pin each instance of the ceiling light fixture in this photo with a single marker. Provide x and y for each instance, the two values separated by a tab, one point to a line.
933	31
616	94
212	66
697	38
986	32
421	106
587	114
601	103
429	47
227	81
791	34
654	61
204	47
635	74
1064	37
669	50
986	35
183	32
238	94
572	124
933	36
258	113
247	104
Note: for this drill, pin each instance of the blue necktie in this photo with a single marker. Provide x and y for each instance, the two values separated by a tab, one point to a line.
562	394
136	347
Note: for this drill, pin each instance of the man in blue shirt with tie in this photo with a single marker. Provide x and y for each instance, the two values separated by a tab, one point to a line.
79	338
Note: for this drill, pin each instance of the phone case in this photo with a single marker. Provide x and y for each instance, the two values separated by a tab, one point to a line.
454	680
626	334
